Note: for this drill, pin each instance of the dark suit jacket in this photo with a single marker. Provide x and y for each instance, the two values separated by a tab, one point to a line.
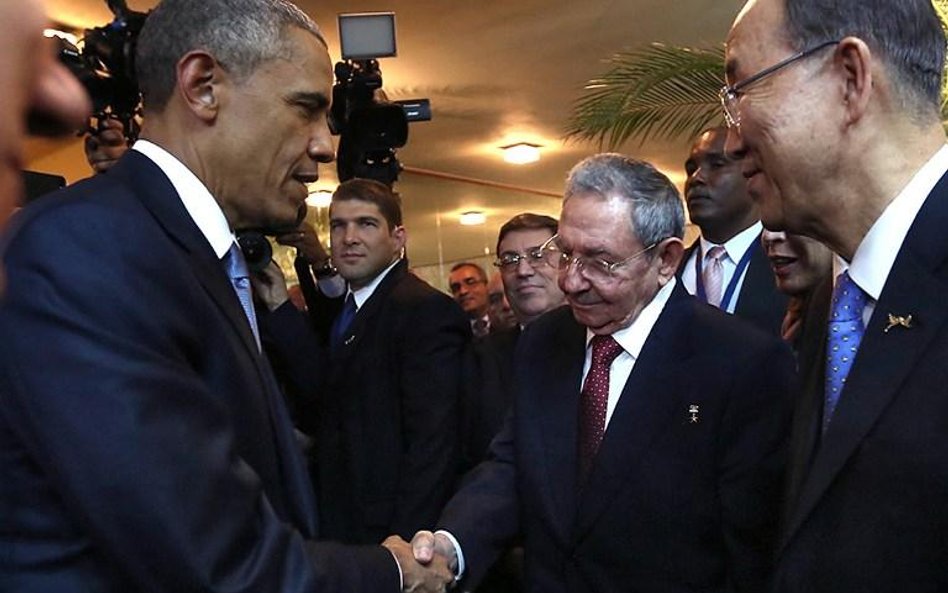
487	394
759	301
144	444
387	412
670	505
867	503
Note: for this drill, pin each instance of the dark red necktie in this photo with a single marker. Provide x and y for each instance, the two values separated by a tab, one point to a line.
593	401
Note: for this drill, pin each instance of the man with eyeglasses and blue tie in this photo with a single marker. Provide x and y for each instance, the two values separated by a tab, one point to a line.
645	448
836	105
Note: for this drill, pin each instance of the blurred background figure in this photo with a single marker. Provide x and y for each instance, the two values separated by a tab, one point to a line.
39	95
800	264
468	284
499	313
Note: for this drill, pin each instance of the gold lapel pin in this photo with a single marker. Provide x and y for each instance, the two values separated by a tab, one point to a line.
898	321
693	413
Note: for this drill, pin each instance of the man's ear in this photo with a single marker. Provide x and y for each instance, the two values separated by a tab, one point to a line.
199	79
669	255
401	236
853	61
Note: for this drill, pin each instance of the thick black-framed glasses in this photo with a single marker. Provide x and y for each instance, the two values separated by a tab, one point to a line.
730	94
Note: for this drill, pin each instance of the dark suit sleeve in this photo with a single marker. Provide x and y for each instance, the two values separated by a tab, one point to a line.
298	359
484	514
753	447
101	388
431	353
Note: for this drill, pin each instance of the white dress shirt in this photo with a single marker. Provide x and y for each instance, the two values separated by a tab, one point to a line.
197	199
735	247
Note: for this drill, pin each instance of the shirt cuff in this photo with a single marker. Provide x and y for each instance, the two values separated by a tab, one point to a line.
457	551
332	286
401	575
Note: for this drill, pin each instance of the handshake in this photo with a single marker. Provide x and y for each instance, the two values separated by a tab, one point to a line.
428	564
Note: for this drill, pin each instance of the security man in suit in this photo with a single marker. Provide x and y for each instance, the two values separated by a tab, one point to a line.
145	444
386	414
645	449
726	267
837	105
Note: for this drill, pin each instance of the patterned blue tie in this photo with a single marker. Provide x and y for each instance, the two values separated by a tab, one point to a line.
240	279
342	322
846	328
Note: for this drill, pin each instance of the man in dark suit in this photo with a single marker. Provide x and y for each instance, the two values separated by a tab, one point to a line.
530	286
145	444
667	477
837	105
726	266
387	443
468	284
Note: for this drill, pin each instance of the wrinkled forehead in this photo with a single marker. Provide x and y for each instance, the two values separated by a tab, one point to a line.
755	38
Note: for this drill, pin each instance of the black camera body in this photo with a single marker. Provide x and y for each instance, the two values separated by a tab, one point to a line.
106	66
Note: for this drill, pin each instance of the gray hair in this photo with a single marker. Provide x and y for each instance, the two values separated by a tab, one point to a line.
906	34
241	35
655	207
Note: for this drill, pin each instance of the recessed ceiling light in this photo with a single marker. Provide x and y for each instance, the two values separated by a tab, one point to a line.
472	218
521	153
319	198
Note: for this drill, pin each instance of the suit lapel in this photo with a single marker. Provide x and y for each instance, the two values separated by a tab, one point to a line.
556	404
158	196
885	359
365	316
154	189
648	404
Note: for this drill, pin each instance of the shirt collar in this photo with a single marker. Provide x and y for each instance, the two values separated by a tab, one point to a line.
737	245
632	338
876	254
361	295
197	199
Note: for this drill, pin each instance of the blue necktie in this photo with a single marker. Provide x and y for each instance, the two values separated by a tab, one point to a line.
846	328
240	279
342	322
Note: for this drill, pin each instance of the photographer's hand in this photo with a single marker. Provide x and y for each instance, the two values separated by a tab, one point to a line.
270	286
106	145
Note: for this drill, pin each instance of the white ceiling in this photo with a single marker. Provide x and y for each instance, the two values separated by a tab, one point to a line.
496	72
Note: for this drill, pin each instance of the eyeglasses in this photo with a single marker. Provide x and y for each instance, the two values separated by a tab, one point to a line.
510	260
730	95
591	268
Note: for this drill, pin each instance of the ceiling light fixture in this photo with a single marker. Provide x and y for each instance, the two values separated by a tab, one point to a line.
473	218
521	153
320	198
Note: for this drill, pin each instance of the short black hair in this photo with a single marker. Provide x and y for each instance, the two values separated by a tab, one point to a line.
908	36
527	221
374	192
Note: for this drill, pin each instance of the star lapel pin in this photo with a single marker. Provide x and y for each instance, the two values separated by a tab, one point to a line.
693	413
898	321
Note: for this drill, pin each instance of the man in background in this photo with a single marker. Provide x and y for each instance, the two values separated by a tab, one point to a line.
387	412
726	266
499	313
468	284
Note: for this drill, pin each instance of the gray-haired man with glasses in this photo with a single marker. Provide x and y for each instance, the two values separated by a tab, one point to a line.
645	447
835	107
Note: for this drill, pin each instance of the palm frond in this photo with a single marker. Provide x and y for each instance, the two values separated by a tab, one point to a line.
659	91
